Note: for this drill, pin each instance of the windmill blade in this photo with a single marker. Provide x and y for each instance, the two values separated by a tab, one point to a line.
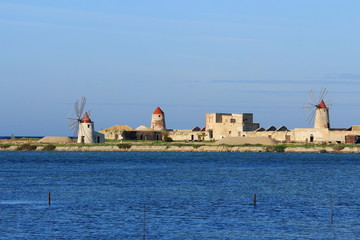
311	117
77	110
309	106
329	103
312	97
322	94
73	123
75	130
82	105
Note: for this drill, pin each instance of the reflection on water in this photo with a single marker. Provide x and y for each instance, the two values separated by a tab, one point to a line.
101	195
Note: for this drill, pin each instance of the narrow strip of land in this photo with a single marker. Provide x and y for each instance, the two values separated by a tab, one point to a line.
160	146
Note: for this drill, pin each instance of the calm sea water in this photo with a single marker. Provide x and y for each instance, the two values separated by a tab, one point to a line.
102	195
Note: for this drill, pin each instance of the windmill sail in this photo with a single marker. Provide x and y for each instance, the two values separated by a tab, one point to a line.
74	122
319	112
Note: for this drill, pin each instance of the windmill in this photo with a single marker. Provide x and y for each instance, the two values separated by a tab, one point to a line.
82	126
319	112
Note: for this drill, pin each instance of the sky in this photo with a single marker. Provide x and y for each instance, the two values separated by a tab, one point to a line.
187	57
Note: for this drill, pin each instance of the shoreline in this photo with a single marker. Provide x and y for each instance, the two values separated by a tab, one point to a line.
193	148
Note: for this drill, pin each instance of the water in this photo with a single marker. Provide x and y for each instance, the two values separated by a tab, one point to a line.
101	195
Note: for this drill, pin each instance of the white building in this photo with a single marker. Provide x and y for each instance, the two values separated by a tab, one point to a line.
86	133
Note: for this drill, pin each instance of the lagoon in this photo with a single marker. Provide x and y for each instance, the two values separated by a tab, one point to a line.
183	195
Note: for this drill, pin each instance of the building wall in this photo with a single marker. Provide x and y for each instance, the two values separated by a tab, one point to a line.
229	124
142	135
112	134
279	136
188	135
86	133
99	137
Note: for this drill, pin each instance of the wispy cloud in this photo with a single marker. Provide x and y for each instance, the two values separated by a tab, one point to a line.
28	23
348	76
328	81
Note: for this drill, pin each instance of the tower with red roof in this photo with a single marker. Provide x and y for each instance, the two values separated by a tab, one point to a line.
158	120
86	130
322	119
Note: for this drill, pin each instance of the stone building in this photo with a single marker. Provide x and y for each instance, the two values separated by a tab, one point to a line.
115	132
220	125
195	134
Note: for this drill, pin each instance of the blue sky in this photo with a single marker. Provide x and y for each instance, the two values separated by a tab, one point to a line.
188	57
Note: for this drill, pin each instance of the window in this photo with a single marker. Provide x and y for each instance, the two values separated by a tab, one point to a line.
88	125
233	120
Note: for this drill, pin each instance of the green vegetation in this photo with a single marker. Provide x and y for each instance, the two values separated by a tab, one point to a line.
275	148
26	147
251	145
124	146
4	146
49	147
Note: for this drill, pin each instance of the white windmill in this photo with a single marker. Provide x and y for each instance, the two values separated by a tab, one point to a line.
82	126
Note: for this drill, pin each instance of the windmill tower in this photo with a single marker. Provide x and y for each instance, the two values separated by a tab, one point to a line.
322	119
83	127
320	112
86	130
158	120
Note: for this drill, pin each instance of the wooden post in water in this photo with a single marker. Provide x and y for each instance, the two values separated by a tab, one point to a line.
49	198
331	210
144	227
254	200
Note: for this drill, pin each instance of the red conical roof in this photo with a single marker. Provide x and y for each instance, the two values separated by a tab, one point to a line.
321	105
86	119
158	111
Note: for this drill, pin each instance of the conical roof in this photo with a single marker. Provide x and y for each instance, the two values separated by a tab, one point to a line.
158	111
321	105
86	118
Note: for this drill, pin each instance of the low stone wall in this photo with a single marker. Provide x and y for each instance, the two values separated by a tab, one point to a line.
211	148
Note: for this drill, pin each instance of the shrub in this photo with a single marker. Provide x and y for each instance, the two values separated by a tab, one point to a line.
168	139
26	147
4	146
124	146
338	148
49	147
278	148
